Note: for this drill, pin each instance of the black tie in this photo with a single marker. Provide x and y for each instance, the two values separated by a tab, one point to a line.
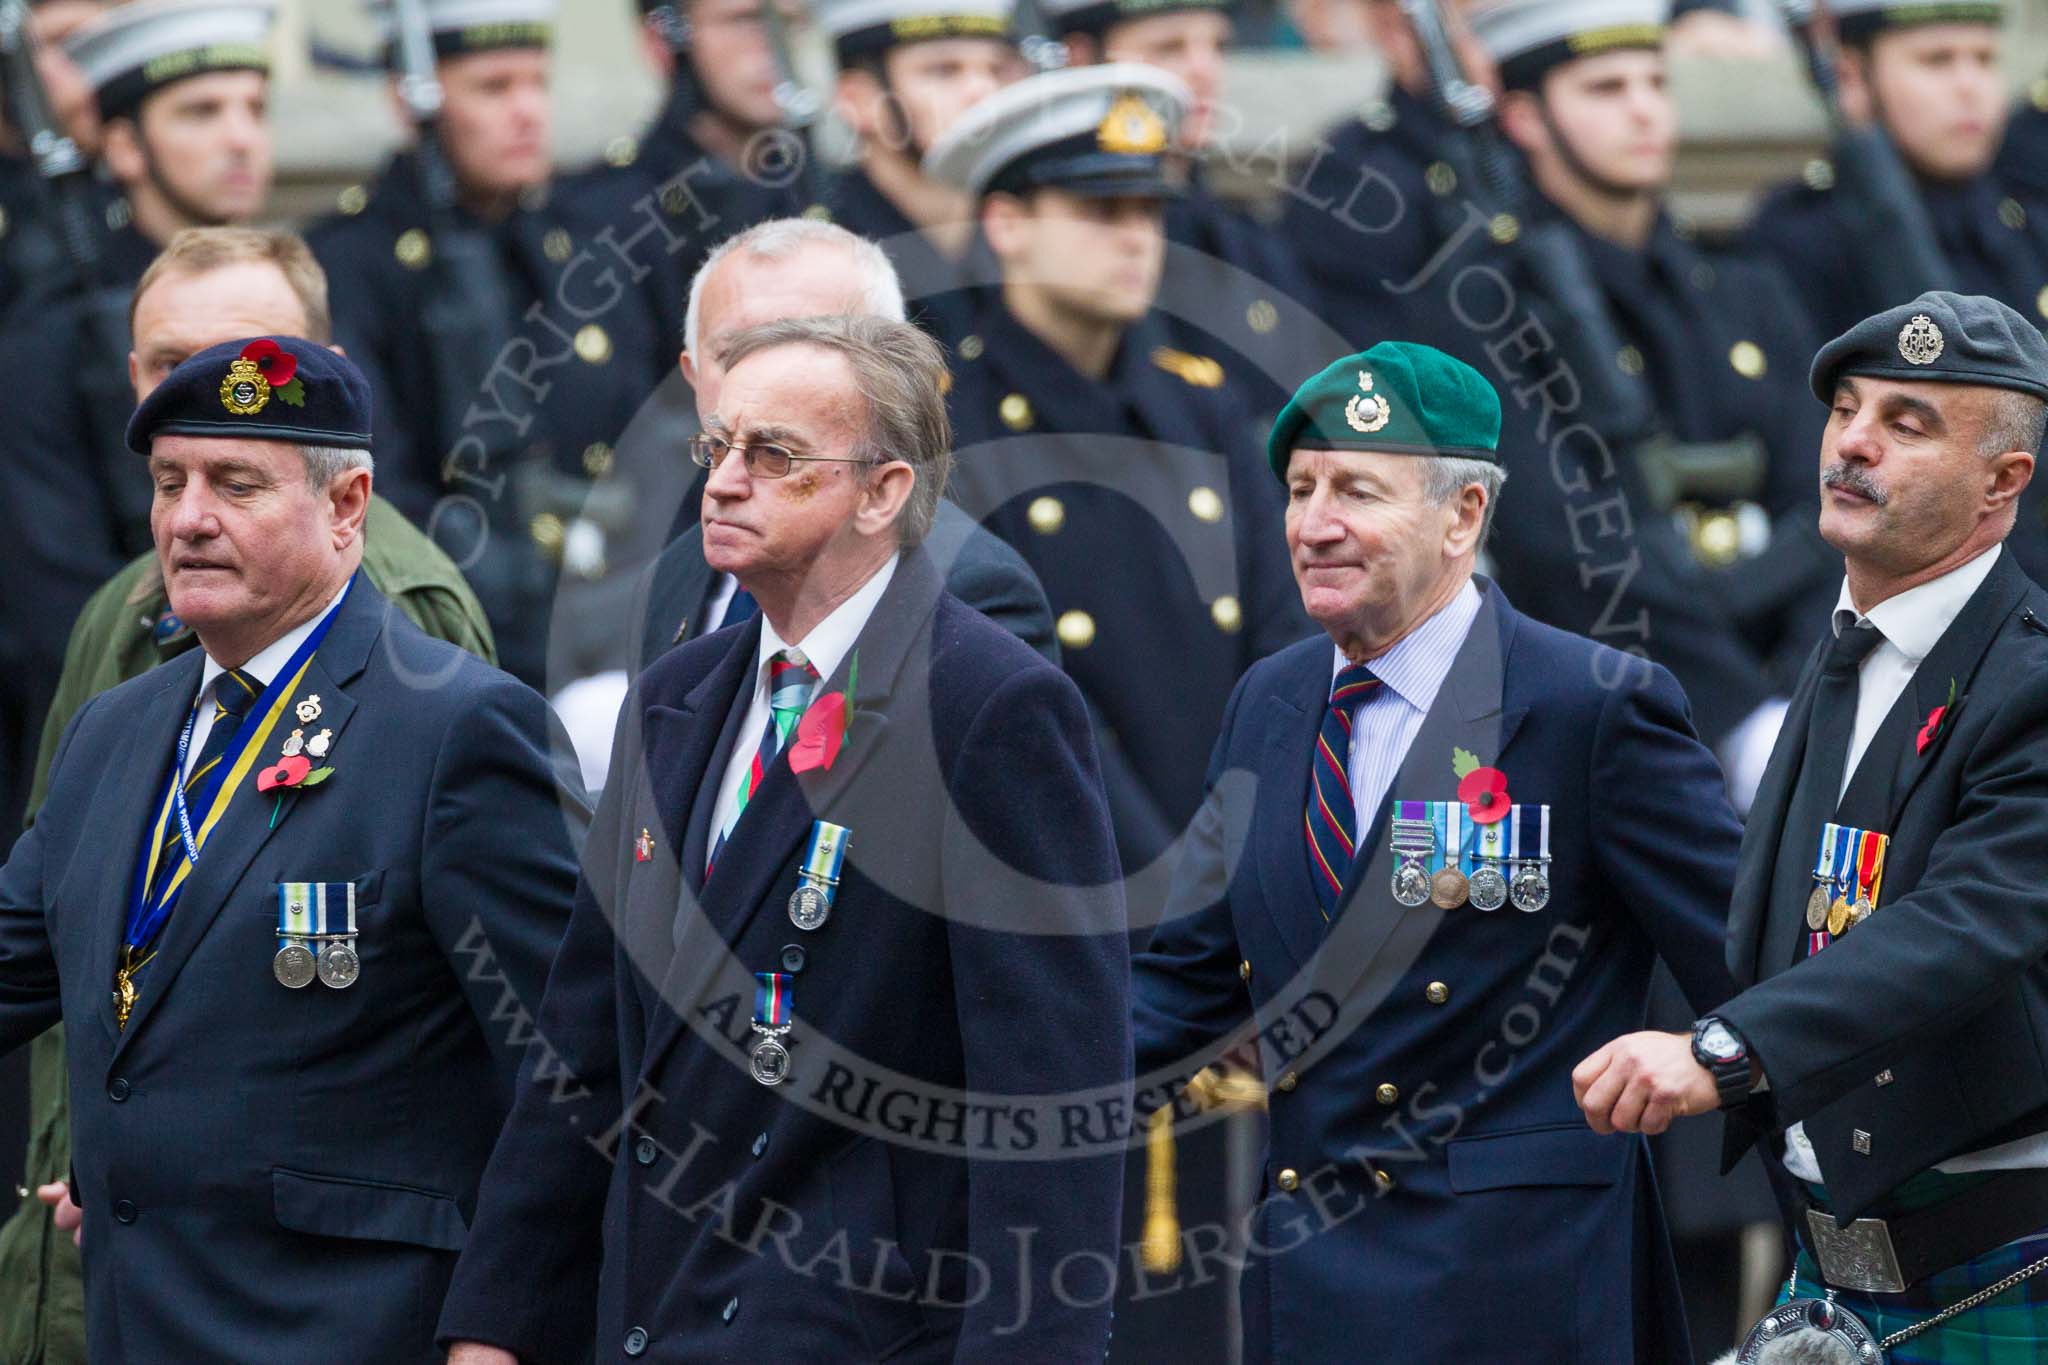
1818	790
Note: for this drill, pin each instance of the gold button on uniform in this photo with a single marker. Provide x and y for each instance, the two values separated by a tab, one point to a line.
1747	359
818	213
1819	174
1288	1180
1504	228
352	200
1381	1181
622	152
1244	971
597	459
674	200
1262	317
1046	515
1288	1081
413	249
1629	360
2012	213
1440	178
593	344
2041	301
1437	993
546	530
1227	614
1076	629
970	347
557	246
1015	411
1387	1094
1206	503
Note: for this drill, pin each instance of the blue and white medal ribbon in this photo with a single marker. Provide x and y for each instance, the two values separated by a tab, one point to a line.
322	913
773	1001
810	905
1489	889
1529	853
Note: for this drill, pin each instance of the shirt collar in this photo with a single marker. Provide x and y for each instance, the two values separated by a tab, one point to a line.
1417	664
832	638
1914	620
269	660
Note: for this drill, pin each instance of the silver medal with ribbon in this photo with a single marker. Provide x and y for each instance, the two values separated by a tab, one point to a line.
810	905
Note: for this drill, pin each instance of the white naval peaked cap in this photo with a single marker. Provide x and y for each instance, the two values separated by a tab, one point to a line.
133	50
1529	37
1101	130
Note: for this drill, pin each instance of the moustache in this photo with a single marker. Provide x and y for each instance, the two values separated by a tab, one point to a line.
1853	478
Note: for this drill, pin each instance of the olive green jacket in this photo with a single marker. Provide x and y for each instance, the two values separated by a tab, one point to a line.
117	637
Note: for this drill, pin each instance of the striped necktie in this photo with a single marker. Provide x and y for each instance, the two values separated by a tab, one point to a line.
1331	823
233	693
790	680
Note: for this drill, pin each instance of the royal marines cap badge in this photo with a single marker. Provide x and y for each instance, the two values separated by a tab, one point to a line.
1367	411
1920	341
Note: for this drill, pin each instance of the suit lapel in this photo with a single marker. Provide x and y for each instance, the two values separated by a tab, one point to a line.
1955	660
126	806
1756	863
253	818
1292	720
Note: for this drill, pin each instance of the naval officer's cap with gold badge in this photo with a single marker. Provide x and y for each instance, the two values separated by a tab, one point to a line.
1857	22
134	50
1529	38
460	27
1096	131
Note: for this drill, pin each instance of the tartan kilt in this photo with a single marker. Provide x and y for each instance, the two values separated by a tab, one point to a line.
2011	1329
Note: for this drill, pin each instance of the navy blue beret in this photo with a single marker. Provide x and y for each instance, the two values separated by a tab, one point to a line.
1940	338
263	389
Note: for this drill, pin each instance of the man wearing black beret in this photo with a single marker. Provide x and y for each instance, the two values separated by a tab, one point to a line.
1887	1049
285	893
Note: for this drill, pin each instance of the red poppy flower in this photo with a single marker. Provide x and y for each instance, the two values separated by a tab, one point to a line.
277	364
1485	794
289	772
819	734
1929	730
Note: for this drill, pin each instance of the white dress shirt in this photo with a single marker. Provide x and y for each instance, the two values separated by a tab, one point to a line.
265	665
1911	623
1411	674
720	603
829	642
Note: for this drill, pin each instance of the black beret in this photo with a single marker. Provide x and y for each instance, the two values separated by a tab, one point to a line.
265	389
1939	338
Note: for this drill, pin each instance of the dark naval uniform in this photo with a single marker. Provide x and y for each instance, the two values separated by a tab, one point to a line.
1144	511
1368	208
2023	156
1231	282
537	446
944	295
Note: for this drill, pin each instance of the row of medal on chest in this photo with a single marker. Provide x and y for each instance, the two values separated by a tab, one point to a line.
1449	860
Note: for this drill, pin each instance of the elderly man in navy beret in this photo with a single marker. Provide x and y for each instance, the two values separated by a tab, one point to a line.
284	893
1442	849
1887	1050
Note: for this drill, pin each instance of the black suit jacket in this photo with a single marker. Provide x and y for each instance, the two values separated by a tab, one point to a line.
979	569
270	1174
973	969
1925	1027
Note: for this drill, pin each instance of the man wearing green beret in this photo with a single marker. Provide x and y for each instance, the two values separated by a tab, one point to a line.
1886	1050
1442	848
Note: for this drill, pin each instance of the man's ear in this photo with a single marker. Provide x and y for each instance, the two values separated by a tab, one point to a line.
1522	120
121	148
888	489
349	494
858	98
1005	221
2010	474
688	366
134	372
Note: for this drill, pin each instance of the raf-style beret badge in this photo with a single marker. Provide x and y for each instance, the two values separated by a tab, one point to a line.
264	368
1367	411
1920	341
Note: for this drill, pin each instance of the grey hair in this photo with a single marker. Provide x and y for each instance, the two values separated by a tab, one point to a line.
323	463
2014	421
900	374
1446	476
879	292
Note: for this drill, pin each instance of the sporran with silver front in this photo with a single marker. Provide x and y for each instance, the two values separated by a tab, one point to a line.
1809	1332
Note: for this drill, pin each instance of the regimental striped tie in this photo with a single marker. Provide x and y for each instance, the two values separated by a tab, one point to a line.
233	693
790	680
1331	822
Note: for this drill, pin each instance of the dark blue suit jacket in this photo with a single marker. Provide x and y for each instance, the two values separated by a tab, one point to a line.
270	1174
1450	1203
976	944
